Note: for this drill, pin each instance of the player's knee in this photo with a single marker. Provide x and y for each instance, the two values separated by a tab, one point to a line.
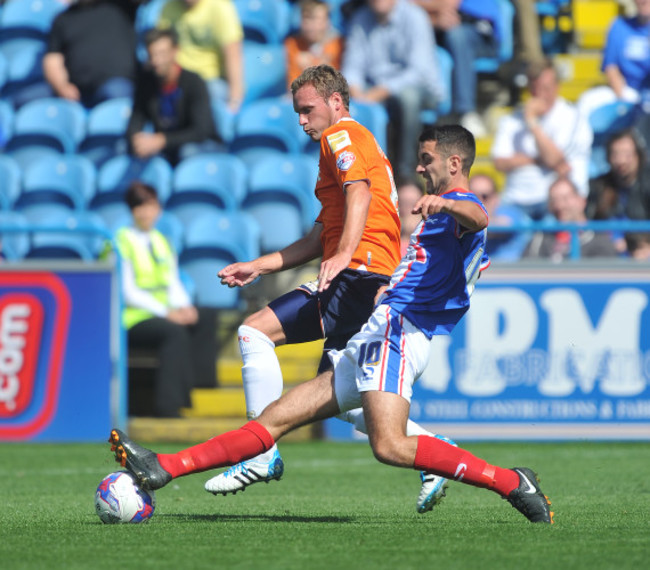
387	450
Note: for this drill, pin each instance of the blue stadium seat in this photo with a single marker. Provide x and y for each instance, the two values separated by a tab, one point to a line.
265	70
281	198
6	122
24	79
117	173
374	117
213	241
106	130
10	182
224	120
15	245
504	29
172	228
605	121
268	123
63	245
4	70
264	21
215	179
28	18
67	180
50	124
445	64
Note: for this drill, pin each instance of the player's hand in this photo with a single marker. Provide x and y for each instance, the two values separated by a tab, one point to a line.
176	316
239	274
330	268
429	205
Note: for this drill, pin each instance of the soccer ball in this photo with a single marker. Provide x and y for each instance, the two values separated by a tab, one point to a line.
119	499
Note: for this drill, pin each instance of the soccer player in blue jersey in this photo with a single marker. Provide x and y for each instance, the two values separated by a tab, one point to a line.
428	294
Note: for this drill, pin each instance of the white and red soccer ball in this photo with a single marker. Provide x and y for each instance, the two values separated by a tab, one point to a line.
119	499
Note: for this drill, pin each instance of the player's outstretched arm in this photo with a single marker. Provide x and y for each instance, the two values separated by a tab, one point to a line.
466	212
301	251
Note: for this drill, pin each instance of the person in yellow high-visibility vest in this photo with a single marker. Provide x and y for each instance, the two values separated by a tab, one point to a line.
158	311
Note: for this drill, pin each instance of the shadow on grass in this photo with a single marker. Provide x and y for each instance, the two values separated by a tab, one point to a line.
265	518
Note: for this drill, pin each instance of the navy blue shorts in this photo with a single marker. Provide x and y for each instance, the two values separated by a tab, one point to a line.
336	314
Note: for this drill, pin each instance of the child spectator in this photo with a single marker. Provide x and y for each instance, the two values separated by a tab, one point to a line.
315	42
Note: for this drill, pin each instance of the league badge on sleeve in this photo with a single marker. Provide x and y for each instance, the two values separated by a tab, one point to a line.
345	160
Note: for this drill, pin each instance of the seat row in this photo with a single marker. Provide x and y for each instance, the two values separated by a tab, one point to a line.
213	240
277	190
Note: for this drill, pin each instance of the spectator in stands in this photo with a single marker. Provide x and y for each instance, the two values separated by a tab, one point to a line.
210	40
626	61
465	28
638	246
501	246
91	53
566	204
389	58
542	140
158	312
315	42
624	192
175	101
409	191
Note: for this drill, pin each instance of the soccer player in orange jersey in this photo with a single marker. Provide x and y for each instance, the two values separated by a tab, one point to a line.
357	235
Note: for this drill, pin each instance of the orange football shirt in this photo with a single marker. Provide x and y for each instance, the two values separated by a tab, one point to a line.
350	153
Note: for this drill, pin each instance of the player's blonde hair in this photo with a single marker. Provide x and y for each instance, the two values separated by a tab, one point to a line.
326	80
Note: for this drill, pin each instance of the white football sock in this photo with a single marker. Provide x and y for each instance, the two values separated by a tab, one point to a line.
356	418
261	374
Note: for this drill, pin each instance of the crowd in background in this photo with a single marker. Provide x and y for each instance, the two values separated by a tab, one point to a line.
193	56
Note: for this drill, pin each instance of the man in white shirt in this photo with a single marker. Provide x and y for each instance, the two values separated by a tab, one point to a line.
542	140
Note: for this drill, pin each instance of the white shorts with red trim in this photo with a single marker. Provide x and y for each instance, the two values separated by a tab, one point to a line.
388	354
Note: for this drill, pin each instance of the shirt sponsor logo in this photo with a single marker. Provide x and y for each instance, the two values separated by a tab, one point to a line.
345	160
338	140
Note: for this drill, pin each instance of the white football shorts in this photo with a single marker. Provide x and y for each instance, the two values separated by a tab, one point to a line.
388	354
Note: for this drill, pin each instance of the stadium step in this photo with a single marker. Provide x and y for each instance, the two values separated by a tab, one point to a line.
591	21
579	72
188	430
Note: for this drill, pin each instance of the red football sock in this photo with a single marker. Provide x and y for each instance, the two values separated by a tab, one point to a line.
439	457
225	449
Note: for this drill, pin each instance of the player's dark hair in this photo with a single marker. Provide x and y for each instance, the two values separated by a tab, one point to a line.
326	80
156	34
452	139
139	193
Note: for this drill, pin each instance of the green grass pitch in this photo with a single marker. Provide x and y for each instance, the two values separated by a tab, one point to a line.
336	508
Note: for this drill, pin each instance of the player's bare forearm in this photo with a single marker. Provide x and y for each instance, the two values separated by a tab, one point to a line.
357	202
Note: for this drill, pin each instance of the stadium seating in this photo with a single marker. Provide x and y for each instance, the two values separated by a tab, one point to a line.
28	18
224	120
269	123
172	228
374	117
504	28
10	182
24	79
6	122
146	18
265	70
445	64
67	180
281	198
63	245
591	21
105	130
13	245
212	241
264	21
605	121
116	174
212	179
4	65
49	125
